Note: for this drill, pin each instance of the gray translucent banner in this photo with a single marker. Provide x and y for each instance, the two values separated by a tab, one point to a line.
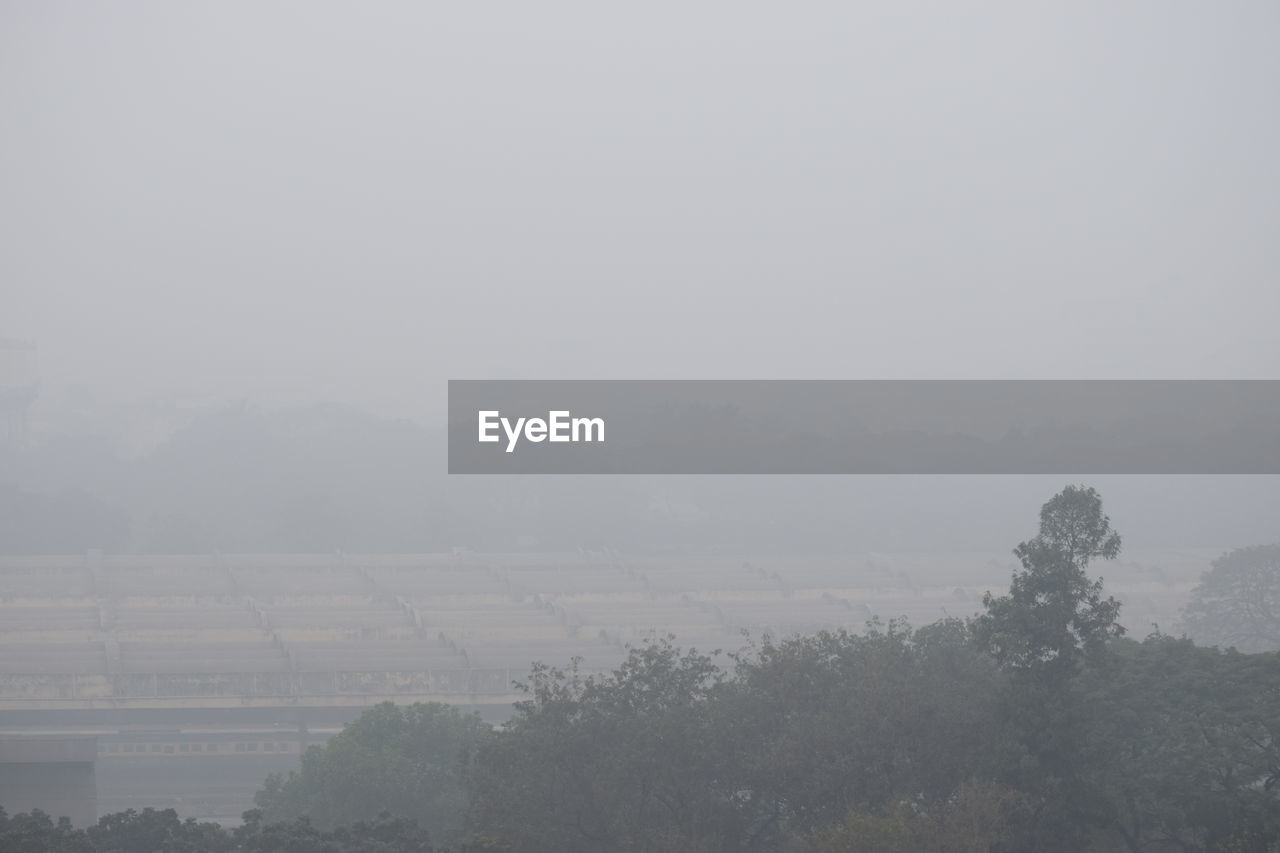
863	427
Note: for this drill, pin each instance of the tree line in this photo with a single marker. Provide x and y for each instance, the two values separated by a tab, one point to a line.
1036	726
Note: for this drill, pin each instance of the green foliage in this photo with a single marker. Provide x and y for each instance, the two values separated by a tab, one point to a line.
977	818
384	834
153	831
626	761
671	753
1054	614
1183	745
1035	727
399	759
1073	523
1237	603
1053	622
36	832
816	725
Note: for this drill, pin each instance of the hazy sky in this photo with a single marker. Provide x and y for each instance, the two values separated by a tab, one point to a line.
356	201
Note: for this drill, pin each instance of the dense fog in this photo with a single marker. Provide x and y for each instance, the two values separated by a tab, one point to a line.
245	607
327	477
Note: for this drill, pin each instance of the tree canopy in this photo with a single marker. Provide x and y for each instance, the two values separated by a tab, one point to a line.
1237	604
1054	613
403	760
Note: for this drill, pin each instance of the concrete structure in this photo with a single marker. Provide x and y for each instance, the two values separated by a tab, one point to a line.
55	775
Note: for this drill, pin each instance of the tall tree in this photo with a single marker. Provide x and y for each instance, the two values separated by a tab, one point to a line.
1054	620
1054	614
